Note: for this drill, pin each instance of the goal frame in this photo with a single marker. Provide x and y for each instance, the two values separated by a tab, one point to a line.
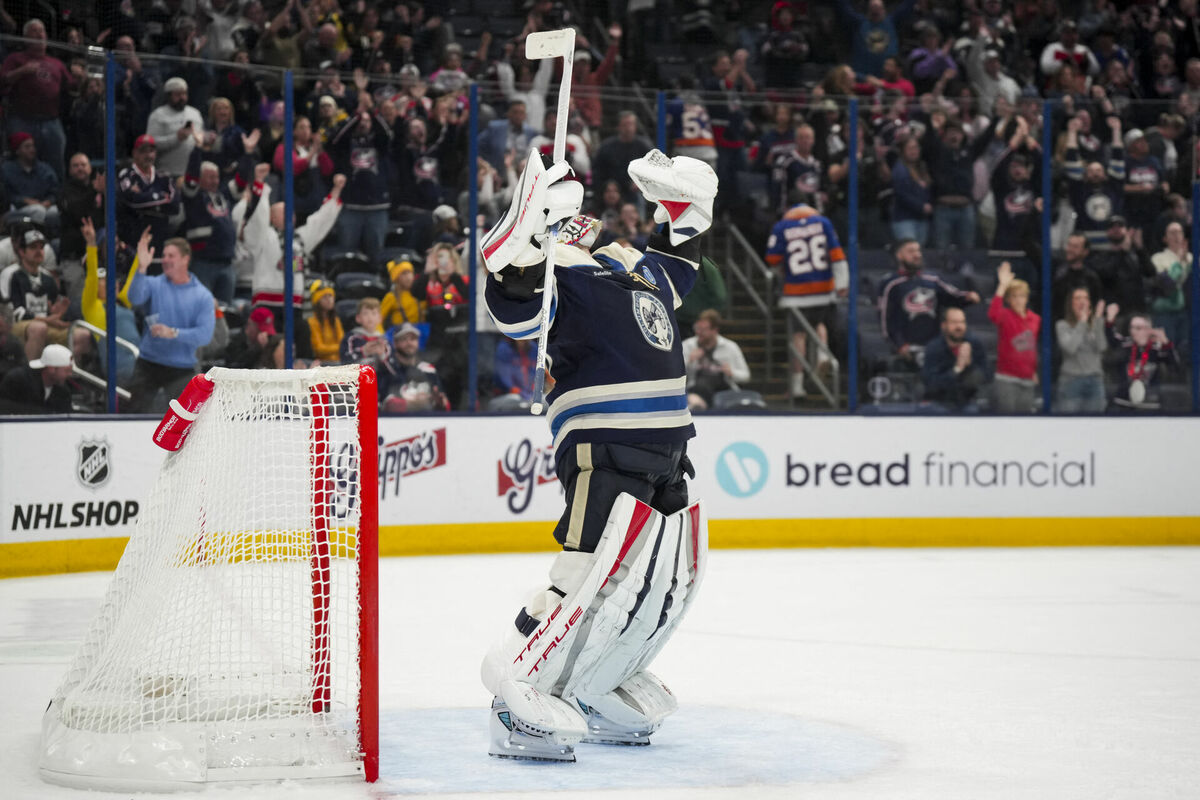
61	738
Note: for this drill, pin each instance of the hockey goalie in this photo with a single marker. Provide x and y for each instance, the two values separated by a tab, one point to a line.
573	665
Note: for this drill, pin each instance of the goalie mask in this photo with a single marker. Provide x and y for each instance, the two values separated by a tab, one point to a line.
580	231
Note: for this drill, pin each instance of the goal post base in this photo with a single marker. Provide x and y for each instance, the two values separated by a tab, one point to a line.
186	756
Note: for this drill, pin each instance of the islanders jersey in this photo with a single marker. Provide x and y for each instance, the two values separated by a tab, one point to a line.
814	265
615	350
689	130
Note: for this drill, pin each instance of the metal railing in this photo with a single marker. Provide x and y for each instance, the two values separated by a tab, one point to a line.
735	244
824	356
99	381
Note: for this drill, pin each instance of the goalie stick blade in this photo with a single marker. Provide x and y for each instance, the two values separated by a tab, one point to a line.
550	44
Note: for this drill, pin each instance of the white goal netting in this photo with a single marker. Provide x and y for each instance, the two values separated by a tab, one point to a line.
228	644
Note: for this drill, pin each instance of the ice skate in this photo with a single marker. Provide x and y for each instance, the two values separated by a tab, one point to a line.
537	727
630	713
601	730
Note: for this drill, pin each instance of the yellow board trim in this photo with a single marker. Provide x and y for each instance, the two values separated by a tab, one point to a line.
83	555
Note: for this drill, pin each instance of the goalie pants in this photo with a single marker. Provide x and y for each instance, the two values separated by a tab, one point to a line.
595	473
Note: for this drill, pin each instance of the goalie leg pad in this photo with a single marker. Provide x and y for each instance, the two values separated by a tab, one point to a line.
547	654
684	189
541	199
678	581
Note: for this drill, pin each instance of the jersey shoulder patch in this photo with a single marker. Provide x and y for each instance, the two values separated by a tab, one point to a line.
653	320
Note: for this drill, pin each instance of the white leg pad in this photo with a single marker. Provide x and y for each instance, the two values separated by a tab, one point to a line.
592	646
678	580
547	658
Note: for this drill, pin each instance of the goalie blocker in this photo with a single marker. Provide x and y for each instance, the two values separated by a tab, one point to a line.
580	675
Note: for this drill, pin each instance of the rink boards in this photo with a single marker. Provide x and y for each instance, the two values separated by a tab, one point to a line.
71	489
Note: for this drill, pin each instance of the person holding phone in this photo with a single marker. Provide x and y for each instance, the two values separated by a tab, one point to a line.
176	128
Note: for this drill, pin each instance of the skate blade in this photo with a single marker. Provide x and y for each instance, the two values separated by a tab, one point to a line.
569	759
618	742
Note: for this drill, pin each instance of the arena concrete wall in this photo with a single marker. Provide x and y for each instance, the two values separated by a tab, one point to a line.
71	489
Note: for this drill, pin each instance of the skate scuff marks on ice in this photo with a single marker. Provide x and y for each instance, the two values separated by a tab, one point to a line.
700	746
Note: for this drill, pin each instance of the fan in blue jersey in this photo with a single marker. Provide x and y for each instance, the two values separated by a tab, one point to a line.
815	275
618	414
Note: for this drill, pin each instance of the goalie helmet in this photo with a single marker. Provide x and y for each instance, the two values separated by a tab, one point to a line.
581	231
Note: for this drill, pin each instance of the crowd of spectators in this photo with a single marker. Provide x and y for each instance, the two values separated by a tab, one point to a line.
949	162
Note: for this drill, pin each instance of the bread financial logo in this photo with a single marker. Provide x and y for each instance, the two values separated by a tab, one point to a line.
653	319
742	469
92	465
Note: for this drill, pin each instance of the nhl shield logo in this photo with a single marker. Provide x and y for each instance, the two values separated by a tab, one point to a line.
652	317
93	469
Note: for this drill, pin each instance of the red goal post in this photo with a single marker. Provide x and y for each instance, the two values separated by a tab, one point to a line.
238	639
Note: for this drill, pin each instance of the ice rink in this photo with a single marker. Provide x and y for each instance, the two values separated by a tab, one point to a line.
973	673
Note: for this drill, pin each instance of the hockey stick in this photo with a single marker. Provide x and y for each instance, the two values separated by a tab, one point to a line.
551	44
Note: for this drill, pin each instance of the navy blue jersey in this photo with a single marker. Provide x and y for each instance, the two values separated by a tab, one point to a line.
614	351
909	305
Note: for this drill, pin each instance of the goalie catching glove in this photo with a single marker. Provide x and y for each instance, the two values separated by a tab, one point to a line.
542	199
684	189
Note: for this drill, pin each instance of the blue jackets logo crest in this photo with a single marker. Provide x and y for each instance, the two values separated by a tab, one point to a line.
653	319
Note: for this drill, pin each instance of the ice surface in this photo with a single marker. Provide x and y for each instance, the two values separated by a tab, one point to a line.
984	673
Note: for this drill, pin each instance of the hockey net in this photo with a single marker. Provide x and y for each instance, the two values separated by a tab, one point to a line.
237	640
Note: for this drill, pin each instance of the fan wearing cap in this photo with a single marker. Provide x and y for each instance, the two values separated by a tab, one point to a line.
37	304
179	321
30	183
449	78
146	197
400	305
329	116
1145	185
34	83
325	330
407	382
447	229
246	349
331	85
1068	49
174	126
38	388
985	70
